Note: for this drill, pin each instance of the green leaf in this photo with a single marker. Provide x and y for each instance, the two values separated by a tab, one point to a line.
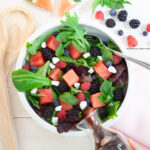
43	69
95	4
60	50
106	54
106	92
75	91
60	77
25	80
28	57
63	36
33	100
37	95
113	46
53	115
68	98
112	109
55	97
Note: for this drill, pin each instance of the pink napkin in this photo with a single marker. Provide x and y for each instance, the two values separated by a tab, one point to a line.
135	120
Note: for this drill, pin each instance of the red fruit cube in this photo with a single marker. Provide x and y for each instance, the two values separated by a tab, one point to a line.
80	97
26	67
52	43
102	70
95	101
61	114
37	59
74	53
116	59
132	42
65	106
61	64
48	96
85	86
99	15
148	28
54	75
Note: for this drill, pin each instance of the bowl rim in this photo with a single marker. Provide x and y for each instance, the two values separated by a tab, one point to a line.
21	60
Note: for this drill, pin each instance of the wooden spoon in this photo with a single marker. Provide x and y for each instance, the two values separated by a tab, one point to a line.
16	25
19	24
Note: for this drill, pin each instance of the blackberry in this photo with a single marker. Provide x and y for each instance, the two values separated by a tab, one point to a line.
33	68
47	112
63	87
81	70
122	16
110	23
55	33
95	51
68	67
108	63
120	32
103	112
95	87
64	127
66	52
113	12
134	23
118	95
145	33
56	103
48	54
73	112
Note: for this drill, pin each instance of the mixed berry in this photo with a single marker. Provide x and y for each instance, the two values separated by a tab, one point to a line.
65	82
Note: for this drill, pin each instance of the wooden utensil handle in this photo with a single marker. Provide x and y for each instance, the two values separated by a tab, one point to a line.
7	132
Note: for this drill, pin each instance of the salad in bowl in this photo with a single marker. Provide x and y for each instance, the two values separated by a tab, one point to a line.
67	74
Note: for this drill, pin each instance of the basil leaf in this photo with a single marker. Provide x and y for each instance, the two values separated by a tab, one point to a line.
25	80
68	98
60	50
63	36
33	100
75	91
55	97
43	69
37	95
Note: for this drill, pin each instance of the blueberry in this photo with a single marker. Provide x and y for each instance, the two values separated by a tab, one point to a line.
113	12
56	103
88	101
55	33
94	77
120	32
109	63
33	68
145	33
66	52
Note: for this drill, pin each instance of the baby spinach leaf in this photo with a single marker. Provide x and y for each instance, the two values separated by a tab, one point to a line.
25	80
33	100
106	92
68	98
60	50
112	109
43	69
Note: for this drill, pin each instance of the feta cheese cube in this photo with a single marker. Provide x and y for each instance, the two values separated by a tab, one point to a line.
100	58
112	69
83	105
43	45
34	91
52	66
91	70
55	60
58	108
86	55
55	83
77	85
54	120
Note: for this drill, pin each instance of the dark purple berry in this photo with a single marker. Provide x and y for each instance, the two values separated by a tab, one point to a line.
33	68
56	103
122	16
66	52
63	87
113	12
48	54
95	51
55	33
88	100
47	112
134	23
108	63
120	32
95	87
94	77
145	33
118	95
103	112
110	23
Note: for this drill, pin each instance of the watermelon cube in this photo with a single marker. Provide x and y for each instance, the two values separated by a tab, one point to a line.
54	75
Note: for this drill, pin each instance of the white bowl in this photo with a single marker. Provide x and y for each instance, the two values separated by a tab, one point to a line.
107	34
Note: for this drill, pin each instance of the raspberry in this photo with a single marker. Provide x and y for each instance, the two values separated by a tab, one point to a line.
48	54
132	42
122	16
118	95
134	23
95	51
63	87
148	28
110	23
80	97
61	114
61	64
26	67
99	15
85	86
116	59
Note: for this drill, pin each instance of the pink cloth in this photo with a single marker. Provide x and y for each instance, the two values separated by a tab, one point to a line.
135	121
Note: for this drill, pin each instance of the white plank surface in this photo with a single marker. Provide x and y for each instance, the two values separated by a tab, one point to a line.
30	134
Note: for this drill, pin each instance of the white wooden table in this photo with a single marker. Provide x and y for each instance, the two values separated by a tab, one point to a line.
30	134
